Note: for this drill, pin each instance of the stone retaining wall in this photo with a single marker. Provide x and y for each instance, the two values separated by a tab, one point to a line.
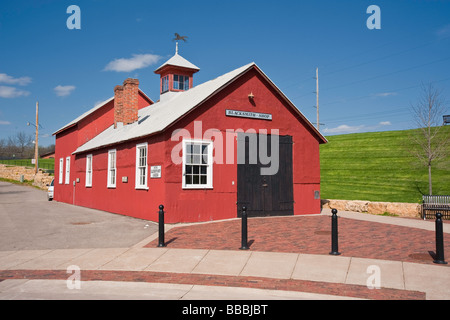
39	179
398	208
402	209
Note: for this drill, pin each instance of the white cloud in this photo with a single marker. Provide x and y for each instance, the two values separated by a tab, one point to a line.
62	91
22	81
385	94
138	61
344	129
4	123
443	31
11	92
99	103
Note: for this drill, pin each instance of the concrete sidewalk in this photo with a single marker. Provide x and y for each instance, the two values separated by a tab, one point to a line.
433	280
120	290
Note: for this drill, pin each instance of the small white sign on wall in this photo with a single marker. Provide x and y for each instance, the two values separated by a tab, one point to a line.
155	172
248	114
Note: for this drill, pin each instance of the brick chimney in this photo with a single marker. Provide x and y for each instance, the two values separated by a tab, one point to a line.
126	102
118	105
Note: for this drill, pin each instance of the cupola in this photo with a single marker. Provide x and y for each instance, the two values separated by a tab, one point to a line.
176	74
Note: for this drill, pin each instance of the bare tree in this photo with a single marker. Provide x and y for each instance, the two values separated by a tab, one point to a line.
20	143
2	148
43	150
430	142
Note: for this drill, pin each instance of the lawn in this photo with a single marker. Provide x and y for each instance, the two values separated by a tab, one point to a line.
47	164
377	166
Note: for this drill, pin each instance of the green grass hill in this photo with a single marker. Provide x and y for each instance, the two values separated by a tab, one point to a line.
377	166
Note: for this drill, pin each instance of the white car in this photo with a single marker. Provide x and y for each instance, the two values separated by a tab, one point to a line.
50	191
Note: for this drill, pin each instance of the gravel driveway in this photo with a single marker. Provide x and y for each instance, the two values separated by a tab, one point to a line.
29	221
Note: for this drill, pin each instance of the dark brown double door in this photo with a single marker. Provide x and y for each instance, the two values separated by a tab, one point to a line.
264	195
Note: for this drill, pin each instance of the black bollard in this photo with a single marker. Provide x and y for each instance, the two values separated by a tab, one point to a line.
161	226
334	233
439	240
244	242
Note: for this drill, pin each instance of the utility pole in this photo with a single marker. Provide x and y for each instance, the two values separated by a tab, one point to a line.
317	97
36	145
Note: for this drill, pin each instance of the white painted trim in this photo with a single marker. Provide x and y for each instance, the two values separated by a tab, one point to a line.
67	176
138	185
108	183
209	172
89	176
61	171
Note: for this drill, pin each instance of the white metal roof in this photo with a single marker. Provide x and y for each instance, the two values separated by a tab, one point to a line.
76	120
95	108
179	61
156	117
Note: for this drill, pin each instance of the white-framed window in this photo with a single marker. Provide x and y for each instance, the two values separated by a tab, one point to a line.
89	170
180	82
61	170
197	164
67	178
141	166
165	84
112	170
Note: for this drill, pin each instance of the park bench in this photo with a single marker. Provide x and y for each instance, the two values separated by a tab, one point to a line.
433	204
446	119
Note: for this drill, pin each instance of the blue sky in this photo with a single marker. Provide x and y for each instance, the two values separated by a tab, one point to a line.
368	78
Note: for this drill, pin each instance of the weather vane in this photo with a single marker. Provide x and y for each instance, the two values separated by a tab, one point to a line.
178	37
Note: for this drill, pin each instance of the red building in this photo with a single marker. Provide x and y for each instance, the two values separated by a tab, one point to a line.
202	151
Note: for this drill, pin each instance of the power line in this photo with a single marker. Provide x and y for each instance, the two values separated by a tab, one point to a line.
373	115
378	76
372	49
372	95
298	82
384	57
370	61
392	112
390	73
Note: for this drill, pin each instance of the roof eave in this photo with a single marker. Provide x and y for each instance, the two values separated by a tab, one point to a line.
157	71
322	139
82	116
77	151
146	96
87	113
252	65
64	128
